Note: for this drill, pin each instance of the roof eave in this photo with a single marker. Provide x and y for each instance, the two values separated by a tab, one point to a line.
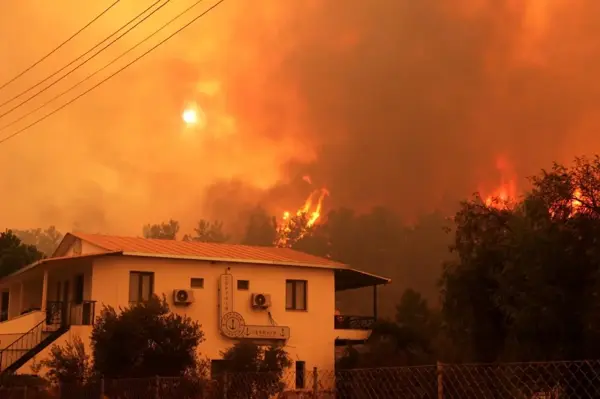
333	265
45	261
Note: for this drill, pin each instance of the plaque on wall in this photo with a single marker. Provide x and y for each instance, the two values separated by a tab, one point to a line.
232	323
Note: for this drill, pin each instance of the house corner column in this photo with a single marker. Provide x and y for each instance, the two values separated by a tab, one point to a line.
21	297
45	291
375	313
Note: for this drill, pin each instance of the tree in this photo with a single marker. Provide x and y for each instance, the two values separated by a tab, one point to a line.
390	345
208	232
262	370
45	240
163	231
145	340
524	284
14	254
261	229
414	313
69	364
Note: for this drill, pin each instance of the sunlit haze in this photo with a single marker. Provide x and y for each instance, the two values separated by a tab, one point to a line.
409	104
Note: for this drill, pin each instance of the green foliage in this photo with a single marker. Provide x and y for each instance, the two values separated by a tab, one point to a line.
163	231
525	282
208	232
263	369
145	340
69	364
45	240
14	254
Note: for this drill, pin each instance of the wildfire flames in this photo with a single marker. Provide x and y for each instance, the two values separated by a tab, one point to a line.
506	192
306	216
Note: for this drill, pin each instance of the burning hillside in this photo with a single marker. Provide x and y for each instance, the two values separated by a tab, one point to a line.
396	103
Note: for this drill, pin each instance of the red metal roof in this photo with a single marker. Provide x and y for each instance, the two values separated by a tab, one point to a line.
200	250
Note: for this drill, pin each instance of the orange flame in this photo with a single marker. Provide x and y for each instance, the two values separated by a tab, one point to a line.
576	201
506	192
312	215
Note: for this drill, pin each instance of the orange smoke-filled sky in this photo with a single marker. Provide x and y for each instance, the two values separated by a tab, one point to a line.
403	103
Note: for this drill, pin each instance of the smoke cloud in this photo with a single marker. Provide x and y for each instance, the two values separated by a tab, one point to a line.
404	103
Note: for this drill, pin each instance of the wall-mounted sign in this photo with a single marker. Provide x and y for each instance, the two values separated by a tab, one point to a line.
232	323
225	294
266	332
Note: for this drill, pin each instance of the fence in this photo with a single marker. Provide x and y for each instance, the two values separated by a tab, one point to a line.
555	380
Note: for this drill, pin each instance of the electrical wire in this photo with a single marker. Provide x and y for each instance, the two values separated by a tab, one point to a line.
4	127
80	57
29	68
12	135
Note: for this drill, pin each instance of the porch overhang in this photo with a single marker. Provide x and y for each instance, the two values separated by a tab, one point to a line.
52	262
349	279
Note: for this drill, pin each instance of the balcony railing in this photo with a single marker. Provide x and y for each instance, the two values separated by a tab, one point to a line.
354	322
72	313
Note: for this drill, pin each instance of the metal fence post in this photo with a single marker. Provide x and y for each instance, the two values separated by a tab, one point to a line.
25	392
102	388
315	386
157	393
225	383
440	380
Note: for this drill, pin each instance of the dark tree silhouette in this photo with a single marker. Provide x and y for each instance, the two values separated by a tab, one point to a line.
120	341
207	231
260	370
261	229
45	240
163	231
525	281
14	254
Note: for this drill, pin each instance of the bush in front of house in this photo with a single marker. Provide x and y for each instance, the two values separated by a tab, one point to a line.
139	342
253	371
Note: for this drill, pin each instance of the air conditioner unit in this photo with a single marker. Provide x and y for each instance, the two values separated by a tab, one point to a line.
183	297
261	301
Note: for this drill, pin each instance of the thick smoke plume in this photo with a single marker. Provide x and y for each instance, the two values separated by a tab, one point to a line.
403	103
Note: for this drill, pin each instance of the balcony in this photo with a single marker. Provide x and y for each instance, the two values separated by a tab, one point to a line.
352	329
80	313
354	322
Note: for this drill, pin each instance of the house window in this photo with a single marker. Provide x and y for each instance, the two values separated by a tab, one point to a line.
141	286
300	374
295	294
243	285
197	282
78	294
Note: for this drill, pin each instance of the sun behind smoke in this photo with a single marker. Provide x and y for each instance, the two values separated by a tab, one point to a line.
190	116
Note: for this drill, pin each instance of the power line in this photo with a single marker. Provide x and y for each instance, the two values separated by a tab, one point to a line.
29	68
5	139
80	57
103	68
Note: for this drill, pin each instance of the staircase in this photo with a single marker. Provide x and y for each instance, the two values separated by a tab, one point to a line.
34	341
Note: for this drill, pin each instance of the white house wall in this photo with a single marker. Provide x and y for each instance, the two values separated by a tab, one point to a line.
312	331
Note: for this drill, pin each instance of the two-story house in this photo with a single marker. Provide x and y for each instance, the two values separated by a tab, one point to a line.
237	292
